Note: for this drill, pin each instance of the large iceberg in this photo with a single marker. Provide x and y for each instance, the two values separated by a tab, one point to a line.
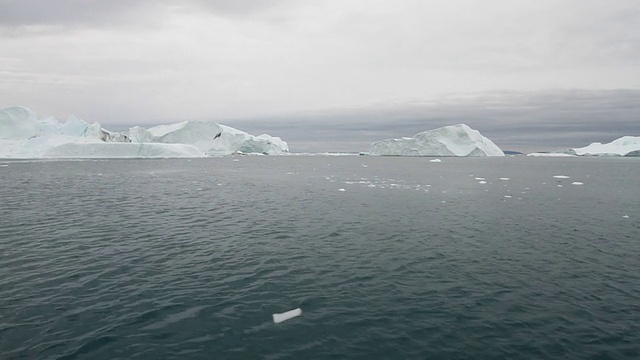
215	139
23	135
454	140
624	146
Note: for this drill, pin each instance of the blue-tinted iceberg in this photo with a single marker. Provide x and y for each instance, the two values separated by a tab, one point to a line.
454	140
23	135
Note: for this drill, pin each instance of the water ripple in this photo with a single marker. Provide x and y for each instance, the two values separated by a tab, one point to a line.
154	259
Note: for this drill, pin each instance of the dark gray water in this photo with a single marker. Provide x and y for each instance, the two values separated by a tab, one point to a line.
188	259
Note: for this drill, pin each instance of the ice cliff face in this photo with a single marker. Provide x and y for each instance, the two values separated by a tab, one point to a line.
23	135
454	140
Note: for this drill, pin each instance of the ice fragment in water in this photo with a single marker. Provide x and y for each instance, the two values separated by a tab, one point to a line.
482	182
435	160
577	183
341	189
505	179
278	318
626	216
561	176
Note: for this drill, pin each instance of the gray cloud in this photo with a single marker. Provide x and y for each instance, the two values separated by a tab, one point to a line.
93	13
514	120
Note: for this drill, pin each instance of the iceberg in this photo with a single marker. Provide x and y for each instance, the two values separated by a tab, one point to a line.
23	135
215	139
454	140
624	146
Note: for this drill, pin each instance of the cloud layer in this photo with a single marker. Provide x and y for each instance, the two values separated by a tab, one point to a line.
144	61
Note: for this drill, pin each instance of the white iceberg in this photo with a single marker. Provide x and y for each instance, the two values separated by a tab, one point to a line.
215	139
624	146
454	140
23	135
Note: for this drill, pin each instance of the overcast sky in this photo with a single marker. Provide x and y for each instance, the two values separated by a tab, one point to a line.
333	74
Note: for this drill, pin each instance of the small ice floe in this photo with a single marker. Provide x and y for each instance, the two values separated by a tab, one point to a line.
505	179
507	196
625	216
342	189
482	182
236	160
363	165
435	160
479	178
577	183
561	177
559	185
278	318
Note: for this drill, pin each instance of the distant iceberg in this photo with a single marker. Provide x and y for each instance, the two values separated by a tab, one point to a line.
454	140
23	135
624	146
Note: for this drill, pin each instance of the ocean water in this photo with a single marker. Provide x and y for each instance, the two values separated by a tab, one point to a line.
388	258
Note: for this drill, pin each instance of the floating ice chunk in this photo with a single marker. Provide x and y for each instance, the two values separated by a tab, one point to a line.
480	178
577	183
435	160
626	216
278	318
341	189
482	182
559	185
505	179
236	160
507	196
561	176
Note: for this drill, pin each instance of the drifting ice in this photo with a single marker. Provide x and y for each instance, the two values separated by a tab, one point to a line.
278	318
23	135
454	140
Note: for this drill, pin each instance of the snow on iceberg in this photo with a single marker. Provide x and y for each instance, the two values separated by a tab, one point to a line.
215	139
624	146
454	140
23	135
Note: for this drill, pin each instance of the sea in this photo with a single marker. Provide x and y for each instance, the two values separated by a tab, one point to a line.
386	257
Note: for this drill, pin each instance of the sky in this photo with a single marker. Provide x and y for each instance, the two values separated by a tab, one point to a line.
333	75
